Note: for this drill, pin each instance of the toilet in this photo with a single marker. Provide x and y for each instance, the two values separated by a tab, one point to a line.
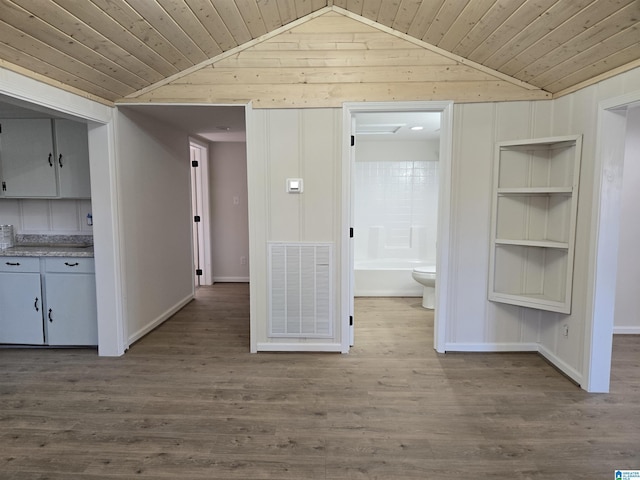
425	275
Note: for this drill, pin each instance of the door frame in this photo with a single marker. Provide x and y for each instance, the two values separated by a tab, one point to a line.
443	254
200	177
605	221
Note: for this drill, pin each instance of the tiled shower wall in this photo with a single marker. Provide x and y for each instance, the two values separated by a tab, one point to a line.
396	210
46	216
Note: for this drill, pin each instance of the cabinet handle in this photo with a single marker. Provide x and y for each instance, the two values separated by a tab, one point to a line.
12	264
71	264
35	305
49	316
60	160
50	162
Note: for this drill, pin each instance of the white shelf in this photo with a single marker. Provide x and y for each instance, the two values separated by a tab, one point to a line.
533	243
533	225
535	191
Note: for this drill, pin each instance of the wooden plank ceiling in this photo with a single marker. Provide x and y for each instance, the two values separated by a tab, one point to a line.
112	49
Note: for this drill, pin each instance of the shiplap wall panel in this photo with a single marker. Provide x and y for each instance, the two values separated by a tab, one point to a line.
332	59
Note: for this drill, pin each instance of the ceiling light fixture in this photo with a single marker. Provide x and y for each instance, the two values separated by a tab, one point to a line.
417	127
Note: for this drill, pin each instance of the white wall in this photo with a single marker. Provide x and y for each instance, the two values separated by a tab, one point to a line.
627	308
292	143
475	323
229	214
50	217
155	218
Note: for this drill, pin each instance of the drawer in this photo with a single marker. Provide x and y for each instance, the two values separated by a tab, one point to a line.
69	265
20	264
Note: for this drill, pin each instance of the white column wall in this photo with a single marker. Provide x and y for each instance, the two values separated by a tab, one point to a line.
293	143
155	217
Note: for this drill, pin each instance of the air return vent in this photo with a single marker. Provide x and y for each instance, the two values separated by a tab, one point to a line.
300	290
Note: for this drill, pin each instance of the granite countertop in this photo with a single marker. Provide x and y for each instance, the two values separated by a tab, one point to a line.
50	246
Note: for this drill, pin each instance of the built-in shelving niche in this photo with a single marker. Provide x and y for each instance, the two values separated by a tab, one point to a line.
535	200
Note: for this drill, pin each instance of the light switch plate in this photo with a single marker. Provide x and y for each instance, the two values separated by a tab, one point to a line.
294	185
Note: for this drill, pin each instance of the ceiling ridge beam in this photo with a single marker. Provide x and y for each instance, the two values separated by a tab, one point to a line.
437	50
231	52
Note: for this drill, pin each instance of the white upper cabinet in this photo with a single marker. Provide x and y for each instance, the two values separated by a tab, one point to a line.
44	158
72	148
26	152
535	200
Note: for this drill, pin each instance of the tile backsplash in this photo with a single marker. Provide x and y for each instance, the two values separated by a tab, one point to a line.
59	216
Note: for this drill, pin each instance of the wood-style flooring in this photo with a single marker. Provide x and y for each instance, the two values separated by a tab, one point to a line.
189	402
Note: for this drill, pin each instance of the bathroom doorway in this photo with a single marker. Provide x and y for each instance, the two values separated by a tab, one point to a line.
395	196
399	232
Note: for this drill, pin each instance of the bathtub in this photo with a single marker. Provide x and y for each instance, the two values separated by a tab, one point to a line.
386	278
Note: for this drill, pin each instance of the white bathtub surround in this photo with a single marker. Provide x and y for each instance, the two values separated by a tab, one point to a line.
396	210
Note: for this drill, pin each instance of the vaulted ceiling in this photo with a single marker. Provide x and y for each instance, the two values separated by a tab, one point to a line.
111	49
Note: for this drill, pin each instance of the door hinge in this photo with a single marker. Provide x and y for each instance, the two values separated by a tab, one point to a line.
351	320
196	218
198	271
351	232
353	140
4	186
194	163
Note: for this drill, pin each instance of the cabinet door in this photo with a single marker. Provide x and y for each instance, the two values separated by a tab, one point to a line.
72	158
70	314
21	312
26	152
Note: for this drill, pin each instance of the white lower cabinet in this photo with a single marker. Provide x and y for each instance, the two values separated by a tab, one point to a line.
21	300
52	302
70	308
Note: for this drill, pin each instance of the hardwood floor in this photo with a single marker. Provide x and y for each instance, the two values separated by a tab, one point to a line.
189	402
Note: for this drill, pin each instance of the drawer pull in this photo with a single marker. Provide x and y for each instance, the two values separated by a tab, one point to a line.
49	316
75	264
35	305
11	264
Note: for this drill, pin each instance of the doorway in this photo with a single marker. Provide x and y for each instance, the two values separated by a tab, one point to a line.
612	135
351	111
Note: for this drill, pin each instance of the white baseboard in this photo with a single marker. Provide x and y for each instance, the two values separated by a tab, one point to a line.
491	347
299	347
626	330
518	347
160	319
561	365
230	279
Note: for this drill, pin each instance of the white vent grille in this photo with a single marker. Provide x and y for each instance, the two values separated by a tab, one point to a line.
300	290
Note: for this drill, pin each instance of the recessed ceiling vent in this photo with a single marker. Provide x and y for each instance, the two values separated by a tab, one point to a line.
378	129
300	290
